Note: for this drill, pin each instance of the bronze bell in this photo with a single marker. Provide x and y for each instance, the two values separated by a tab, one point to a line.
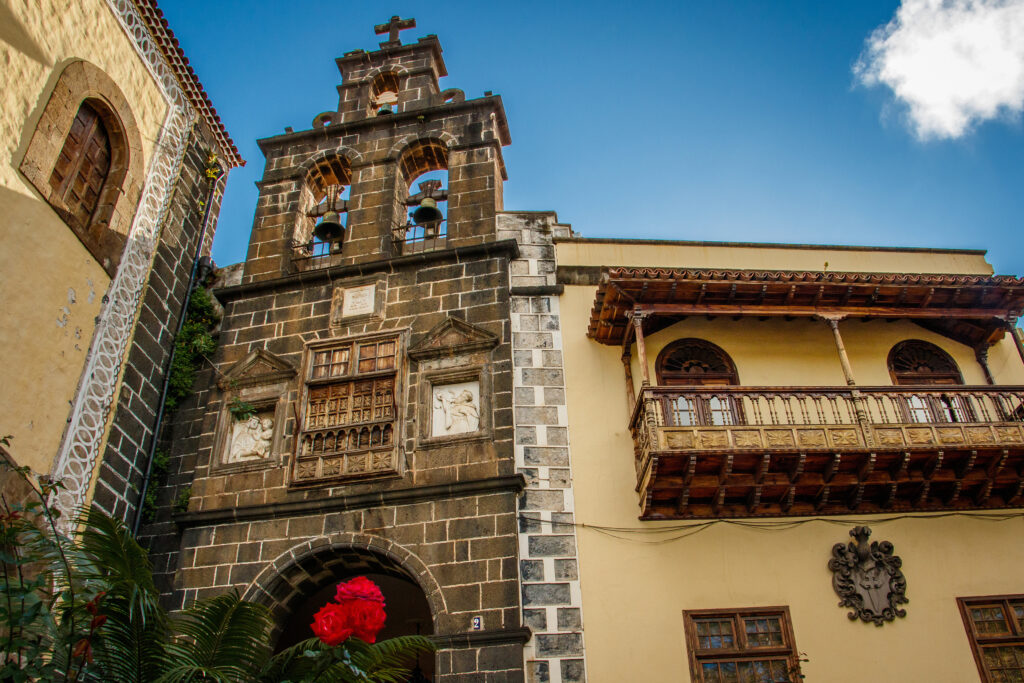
330	228
427	213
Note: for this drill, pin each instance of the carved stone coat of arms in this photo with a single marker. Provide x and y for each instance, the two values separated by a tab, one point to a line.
868	578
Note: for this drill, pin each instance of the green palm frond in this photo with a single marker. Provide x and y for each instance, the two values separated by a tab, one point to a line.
311	661
224	639
389	661
129	646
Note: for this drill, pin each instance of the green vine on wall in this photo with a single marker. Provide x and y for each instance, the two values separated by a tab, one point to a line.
157	478
193	343
241	410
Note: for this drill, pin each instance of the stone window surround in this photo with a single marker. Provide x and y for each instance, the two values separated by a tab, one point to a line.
479	372
274	396
80	81
401	336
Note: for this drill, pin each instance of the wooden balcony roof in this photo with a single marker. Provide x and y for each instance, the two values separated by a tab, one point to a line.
972	309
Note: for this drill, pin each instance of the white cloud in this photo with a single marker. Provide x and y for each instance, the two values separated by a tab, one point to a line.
953	63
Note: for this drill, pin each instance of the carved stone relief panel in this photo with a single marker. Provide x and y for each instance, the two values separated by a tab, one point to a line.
251	438
456	408
454	376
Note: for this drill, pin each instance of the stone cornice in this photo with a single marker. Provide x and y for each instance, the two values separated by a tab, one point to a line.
413	494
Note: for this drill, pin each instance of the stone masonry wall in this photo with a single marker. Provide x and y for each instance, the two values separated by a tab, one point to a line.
547	536
452	508
124	461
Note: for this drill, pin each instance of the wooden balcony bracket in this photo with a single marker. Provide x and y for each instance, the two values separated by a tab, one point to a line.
933	464
832	467
822	500
899	468
890	495
966	466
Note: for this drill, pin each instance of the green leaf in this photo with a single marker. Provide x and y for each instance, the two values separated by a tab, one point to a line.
226	639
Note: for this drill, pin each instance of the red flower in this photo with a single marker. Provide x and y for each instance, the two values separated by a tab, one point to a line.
331	624
359	612
359	588
365	617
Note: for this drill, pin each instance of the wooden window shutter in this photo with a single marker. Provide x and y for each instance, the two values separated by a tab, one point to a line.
82	166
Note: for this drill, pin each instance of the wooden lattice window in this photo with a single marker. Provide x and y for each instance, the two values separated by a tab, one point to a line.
82	167
350	398
995	626
749	645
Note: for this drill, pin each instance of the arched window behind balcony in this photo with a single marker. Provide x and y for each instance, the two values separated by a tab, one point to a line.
695	362
915	363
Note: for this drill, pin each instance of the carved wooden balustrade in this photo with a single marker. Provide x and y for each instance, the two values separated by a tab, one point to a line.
345	451
744	451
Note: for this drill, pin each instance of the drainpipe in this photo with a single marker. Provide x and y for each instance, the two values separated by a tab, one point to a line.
199	262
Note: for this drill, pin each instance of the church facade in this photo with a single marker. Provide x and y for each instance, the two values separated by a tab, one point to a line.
570	459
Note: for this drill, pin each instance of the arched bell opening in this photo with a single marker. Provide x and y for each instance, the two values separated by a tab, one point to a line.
384	94
422	196
323	207
298	591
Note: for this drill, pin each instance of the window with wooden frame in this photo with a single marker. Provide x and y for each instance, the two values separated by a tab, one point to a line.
350	408
82	167
919	363
995	627
741	646
85	158
698	363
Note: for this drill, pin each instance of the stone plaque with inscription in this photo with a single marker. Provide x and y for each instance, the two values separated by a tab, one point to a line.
359	301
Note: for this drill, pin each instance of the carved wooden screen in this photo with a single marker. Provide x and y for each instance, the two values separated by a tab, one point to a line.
995	626
754	645
82	166
918	363
350	402
695	362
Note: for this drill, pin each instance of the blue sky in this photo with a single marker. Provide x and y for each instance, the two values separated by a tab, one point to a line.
702	120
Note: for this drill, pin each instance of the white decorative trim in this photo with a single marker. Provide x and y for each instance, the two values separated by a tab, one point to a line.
80	448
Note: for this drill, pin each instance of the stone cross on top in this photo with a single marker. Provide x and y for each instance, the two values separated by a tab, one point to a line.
392	28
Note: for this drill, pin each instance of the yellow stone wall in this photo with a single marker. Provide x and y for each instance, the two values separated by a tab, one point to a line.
51	286
635	586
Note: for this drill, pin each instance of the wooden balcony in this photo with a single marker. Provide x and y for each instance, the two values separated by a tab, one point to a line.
705	452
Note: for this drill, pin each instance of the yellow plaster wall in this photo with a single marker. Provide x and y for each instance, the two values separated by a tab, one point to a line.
802	352
51	286
635	586
767	257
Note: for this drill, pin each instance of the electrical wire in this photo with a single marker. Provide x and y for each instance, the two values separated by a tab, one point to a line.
667	534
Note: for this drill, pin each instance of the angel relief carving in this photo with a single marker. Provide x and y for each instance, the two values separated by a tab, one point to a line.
250	439
868	578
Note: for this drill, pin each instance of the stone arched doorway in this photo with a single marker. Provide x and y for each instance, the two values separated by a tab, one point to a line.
302	580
